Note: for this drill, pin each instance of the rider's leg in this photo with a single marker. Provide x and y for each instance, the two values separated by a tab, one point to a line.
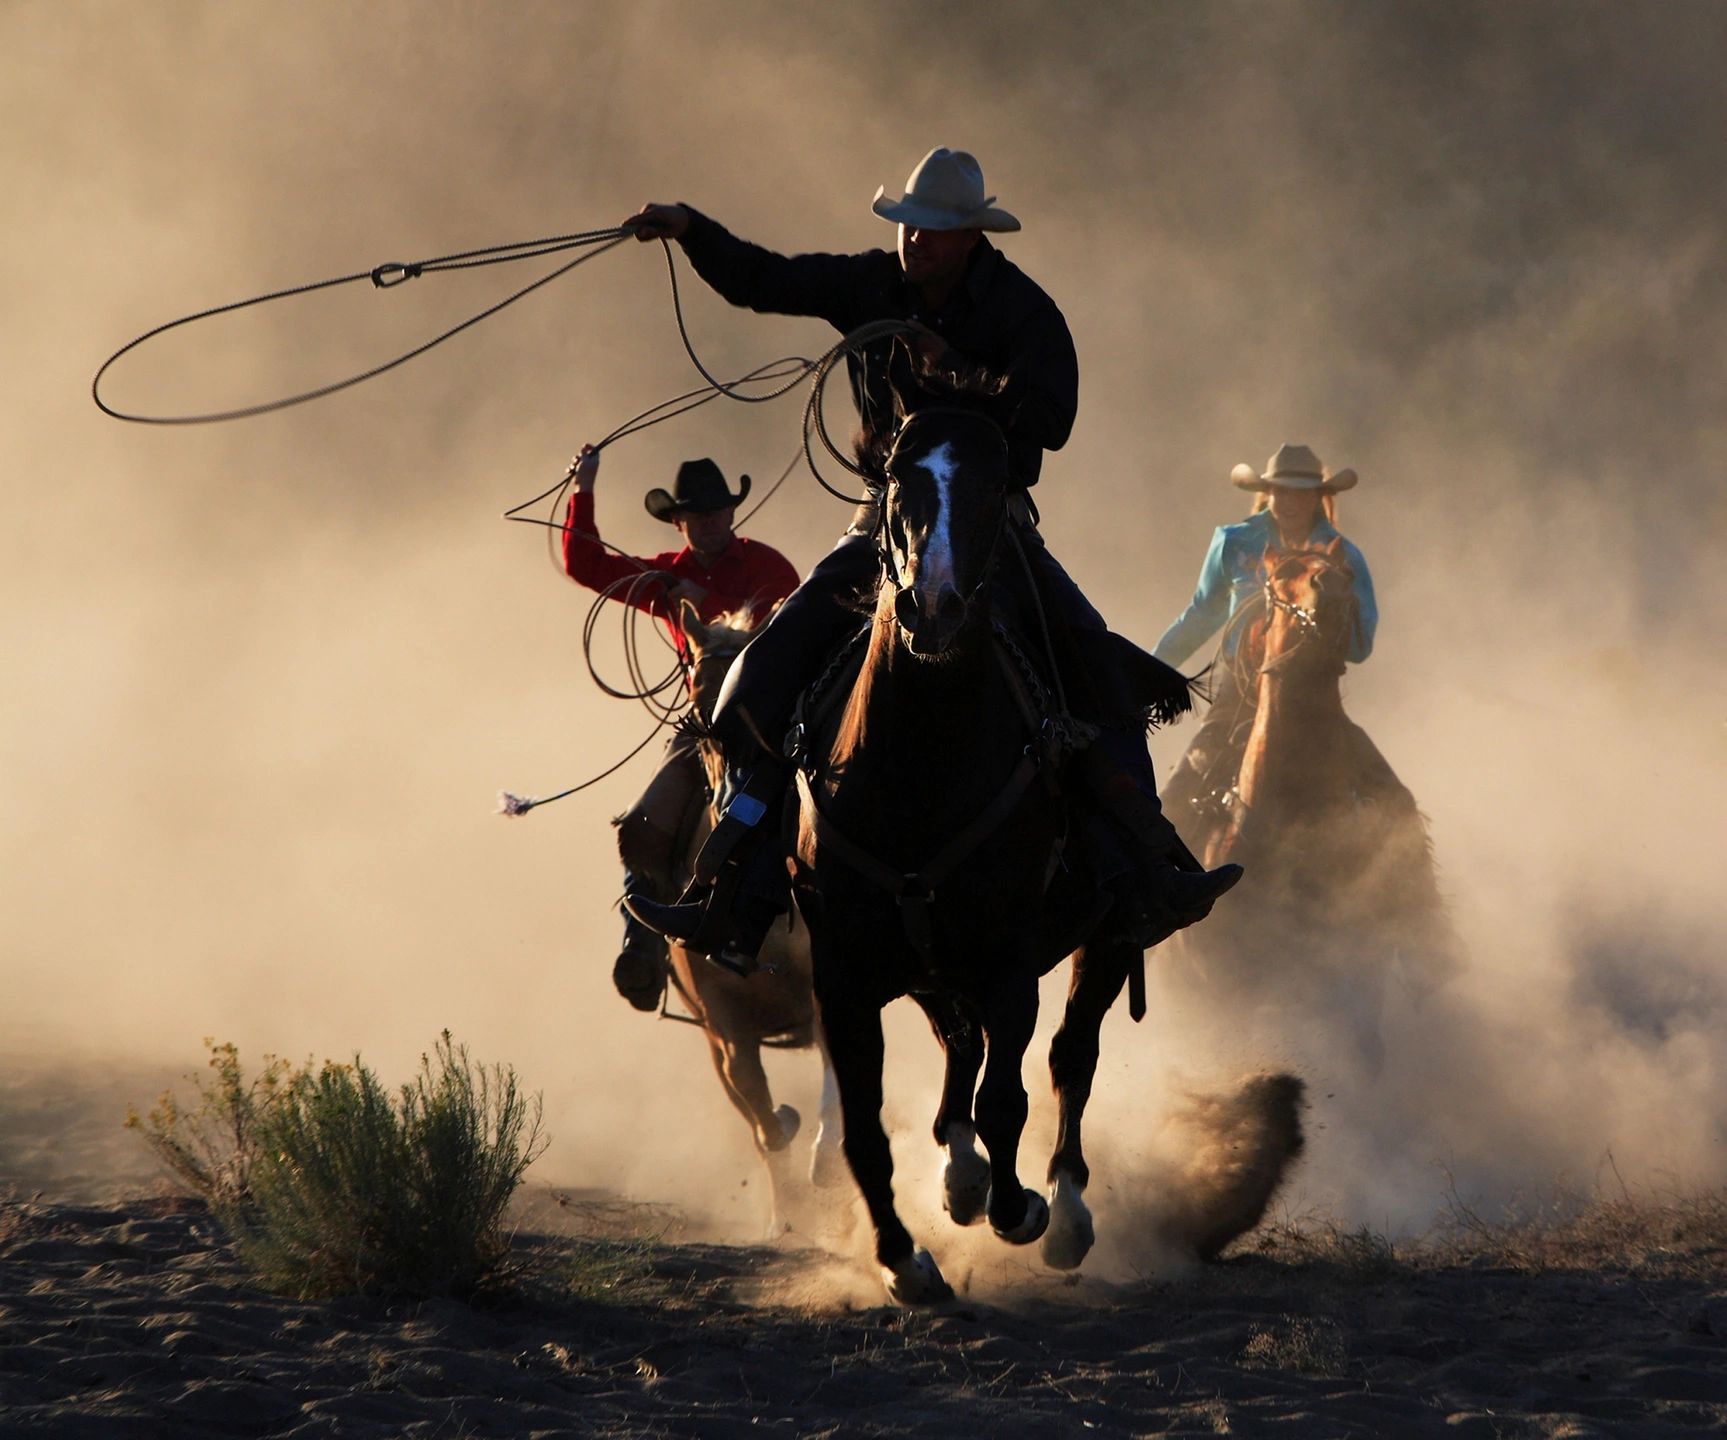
647	835
1110	686
1208	765
741	881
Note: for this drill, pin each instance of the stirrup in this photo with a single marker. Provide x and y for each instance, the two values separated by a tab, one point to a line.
702	918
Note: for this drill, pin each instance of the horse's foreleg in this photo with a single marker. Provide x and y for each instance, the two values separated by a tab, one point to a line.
1099	972
740	1065
827	1155
965	1177
1017	1215
854	1035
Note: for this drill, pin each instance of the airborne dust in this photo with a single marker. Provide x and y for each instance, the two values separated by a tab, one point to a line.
266	678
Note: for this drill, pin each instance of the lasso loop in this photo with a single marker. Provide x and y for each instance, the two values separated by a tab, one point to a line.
383	277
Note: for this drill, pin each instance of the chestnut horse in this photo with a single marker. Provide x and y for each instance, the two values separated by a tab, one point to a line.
775	1007
1341	886
930	860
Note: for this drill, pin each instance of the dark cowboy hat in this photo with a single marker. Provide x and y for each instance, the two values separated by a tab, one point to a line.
699	489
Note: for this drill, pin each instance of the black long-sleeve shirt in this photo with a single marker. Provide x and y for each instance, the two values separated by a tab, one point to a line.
998	318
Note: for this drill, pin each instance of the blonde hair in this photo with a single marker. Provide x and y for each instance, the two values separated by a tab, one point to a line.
1327	502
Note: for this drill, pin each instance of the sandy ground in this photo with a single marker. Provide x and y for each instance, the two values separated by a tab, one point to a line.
122	1316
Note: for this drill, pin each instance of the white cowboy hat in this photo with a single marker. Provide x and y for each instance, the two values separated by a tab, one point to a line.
1294	467
945	192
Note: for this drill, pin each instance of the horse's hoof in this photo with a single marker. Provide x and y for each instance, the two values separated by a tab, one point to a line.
964	1179
1035	1223
1071	1233
790	1121
916	1281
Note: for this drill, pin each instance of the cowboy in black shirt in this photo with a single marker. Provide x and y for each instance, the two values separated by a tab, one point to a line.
985	317
992	313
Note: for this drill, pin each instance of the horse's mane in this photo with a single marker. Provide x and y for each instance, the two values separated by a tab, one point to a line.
729	627
853	727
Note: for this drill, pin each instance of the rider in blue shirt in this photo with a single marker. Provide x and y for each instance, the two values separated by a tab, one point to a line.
1295	510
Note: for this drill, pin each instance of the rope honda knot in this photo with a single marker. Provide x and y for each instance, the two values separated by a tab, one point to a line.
393	272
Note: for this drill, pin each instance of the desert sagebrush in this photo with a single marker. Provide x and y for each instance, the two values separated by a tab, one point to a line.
348	1189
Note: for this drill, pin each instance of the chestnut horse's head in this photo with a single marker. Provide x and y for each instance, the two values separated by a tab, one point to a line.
945	508
712	646
1310	608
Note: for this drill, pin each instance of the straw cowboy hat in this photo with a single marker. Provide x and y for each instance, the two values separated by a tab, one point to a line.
699	489
945	192
1294	467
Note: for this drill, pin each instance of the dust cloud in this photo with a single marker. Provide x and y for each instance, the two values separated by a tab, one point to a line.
265	678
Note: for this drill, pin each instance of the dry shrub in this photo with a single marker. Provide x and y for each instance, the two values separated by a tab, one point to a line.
212	1147
1677	1232
1359	1254
328	1184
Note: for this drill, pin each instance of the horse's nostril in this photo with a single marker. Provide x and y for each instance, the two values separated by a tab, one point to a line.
949	607
907	610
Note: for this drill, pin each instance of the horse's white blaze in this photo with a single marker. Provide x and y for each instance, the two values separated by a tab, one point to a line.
936	567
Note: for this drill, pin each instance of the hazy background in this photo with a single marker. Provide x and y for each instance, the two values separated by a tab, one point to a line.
263	680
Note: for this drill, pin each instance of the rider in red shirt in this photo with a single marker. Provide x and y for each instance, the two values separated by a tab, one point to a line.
717	571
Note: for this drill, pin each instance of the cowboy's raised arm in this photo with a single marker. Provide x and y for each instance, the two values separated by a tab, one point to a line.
834	288
587	560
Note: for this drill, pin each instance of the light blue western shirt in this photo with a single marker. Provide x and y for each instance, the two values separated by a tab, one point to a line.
1232	578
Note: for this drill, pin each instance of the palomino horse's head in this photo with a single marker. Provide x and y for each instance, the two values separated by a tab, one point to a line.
713	645
1310	610
944	511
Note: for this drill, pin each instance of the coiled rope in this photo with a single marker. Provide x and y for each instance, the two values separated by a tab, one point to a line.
781	376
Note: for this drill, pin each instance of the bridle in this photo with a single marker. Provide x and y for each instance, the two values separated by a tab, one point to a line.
1307	622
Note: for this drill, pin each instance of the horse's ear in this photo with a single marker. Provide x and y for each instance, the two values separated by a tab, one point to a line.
1334	551
1273	557
690	622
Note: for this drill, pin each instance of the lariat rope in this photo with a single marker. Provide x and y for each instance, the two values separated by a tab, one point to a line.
383	277
782	376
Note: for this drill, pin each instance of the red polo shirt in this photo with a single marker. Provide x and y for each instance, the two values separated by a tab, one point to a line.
746	573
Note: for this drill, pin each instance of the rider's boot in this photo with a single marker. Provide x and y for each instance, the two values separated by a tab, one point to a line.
741	884
640	969
1172	889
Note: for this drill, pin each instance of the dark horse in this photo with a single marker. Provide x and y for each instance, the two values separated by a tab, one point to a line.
1341	886
774	1007
930	860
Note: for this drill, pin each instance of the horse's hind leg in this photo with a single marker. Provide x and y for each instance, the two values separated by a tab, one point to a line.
1016	1214
1099	972
965	1177
855	1045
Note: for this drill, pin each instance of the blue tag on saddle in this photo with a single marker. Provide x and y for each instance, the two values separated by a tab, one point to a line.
746	810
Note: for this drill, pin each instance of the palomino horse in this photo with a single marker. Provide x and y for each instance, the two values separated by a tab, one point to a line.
1340	881
775	1006
929	861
